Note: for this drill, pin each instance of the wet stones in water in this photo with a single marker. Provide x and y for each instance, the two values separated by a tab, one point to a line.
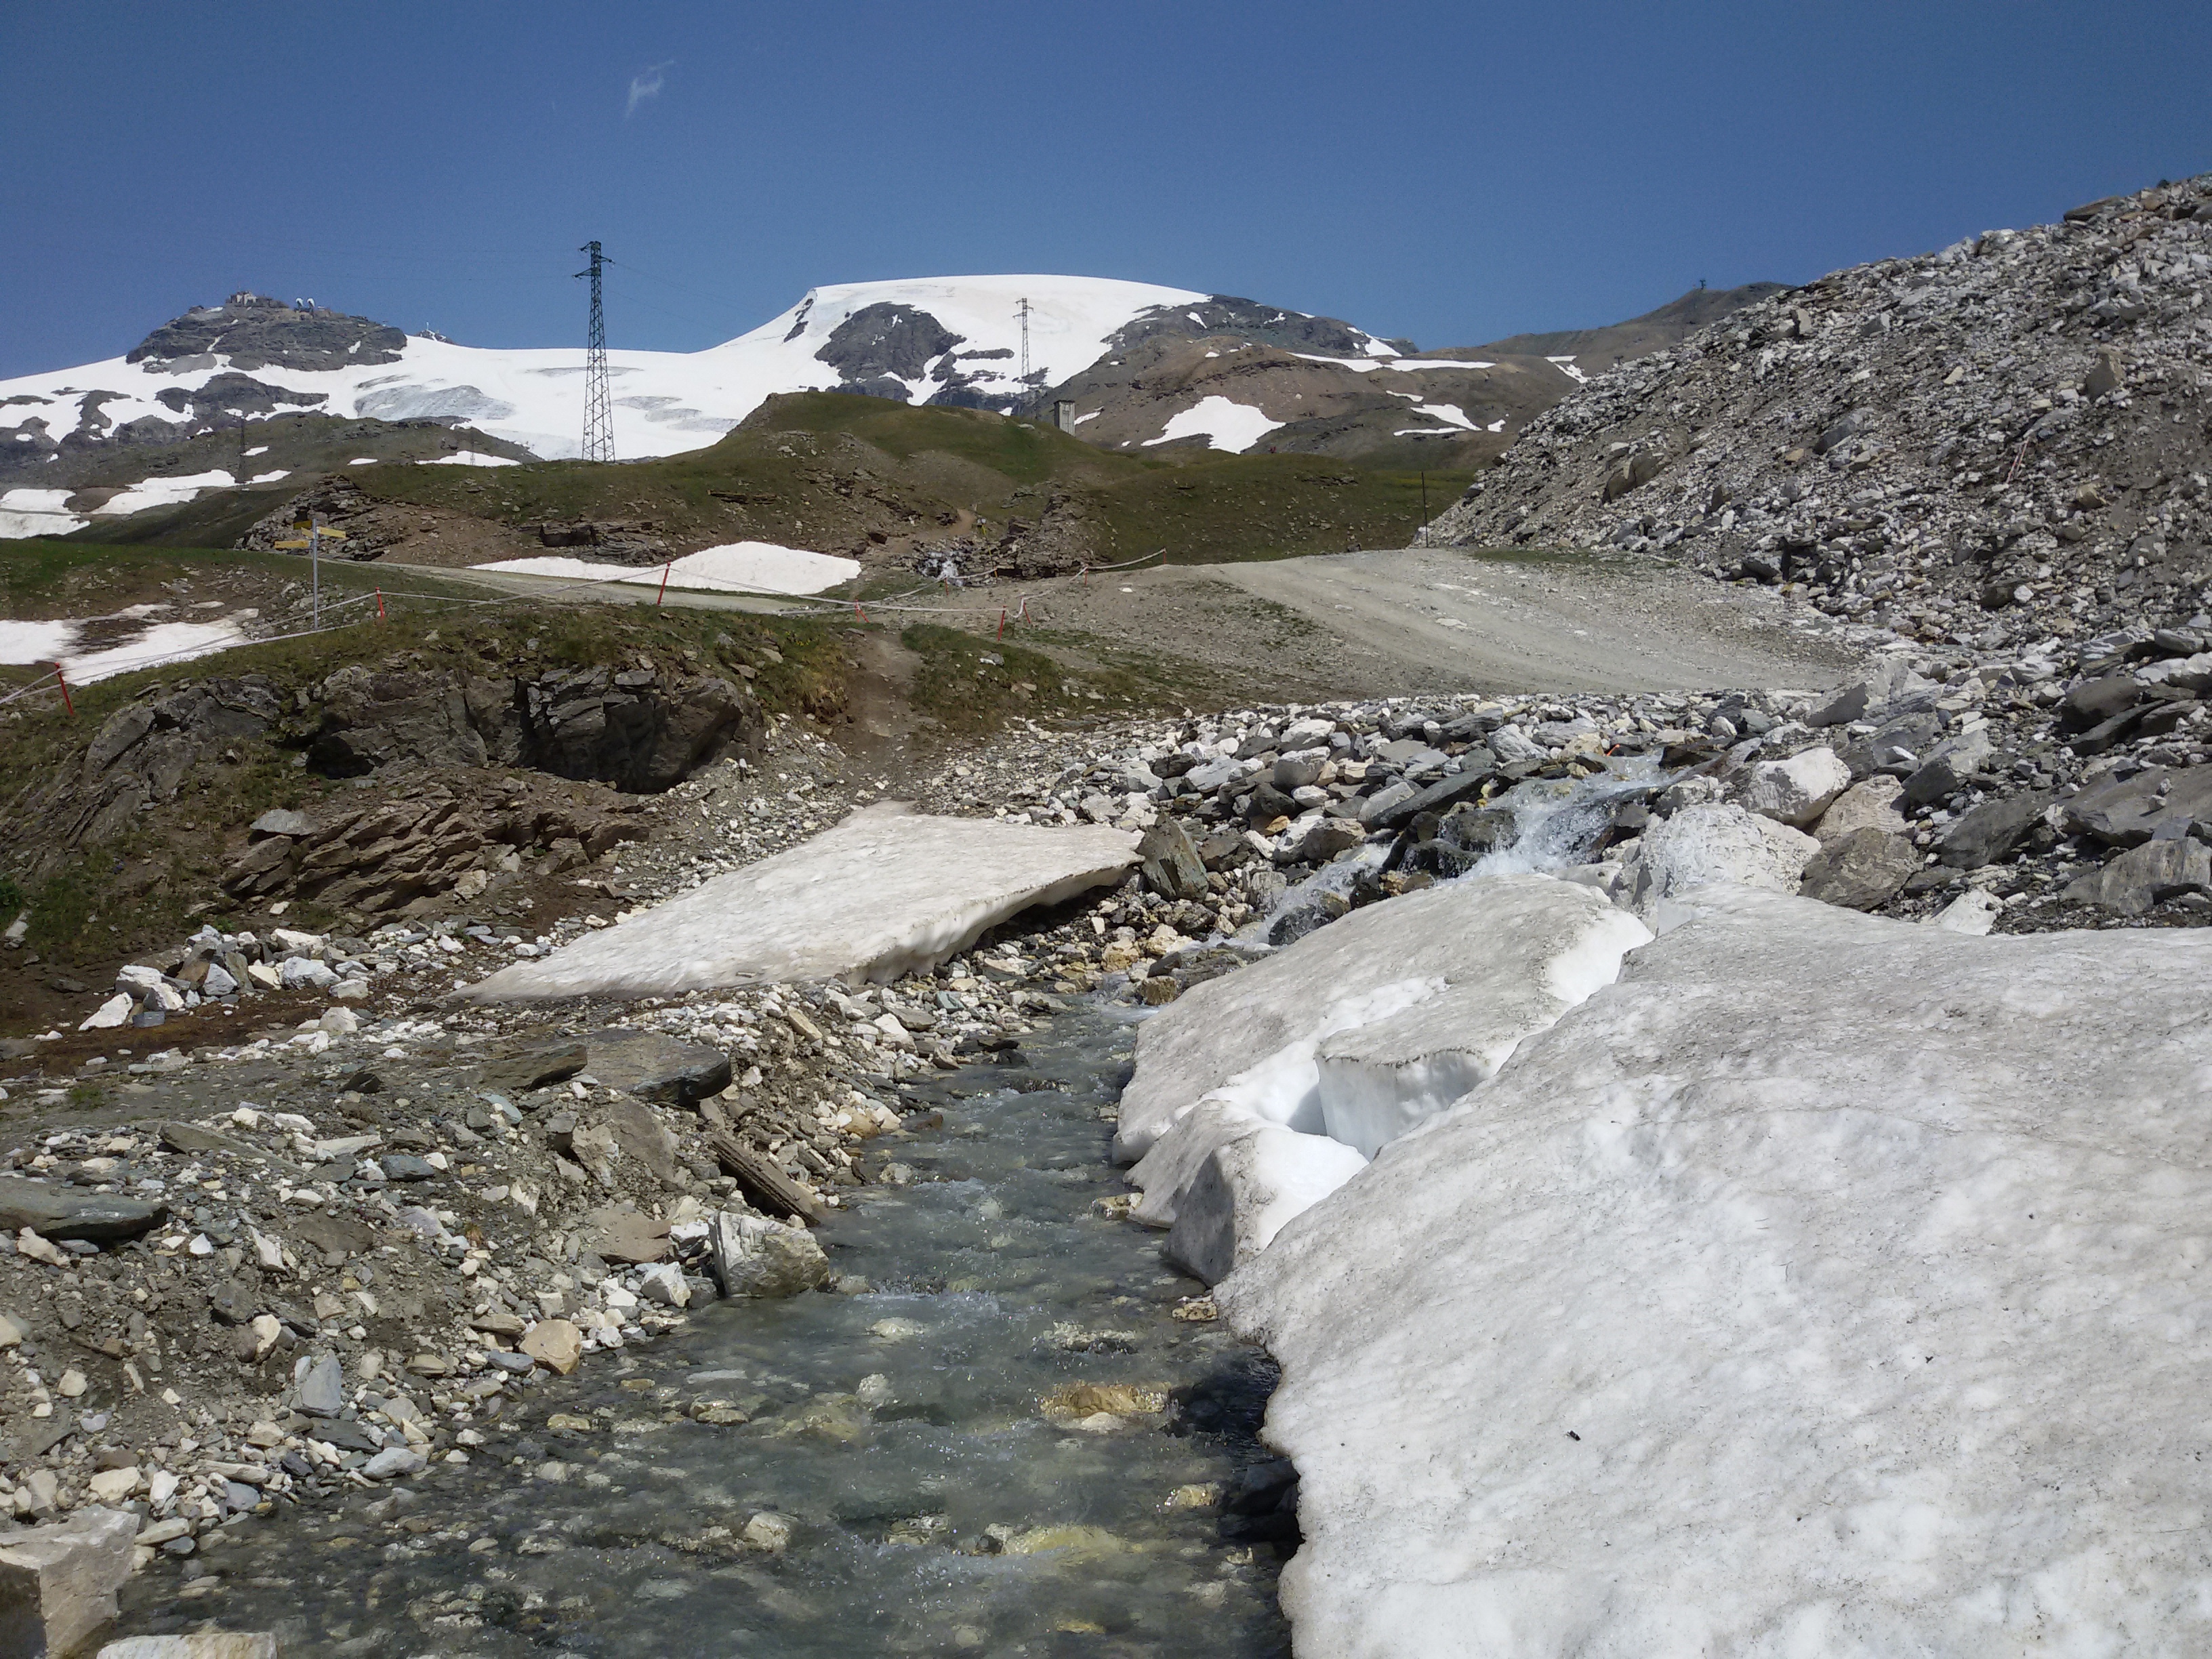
1261	1505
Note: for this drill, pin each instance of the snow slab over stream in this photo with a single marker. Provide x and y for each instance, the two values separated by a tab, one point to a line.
1827	1285
1257	1094
884	893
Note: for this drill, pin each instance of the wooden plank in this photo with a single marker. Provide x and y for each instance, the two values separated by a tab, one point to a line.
765	1185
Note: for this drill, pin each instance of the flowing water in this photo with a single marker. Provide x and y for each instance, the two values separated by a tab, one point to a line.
1557	821
895	1487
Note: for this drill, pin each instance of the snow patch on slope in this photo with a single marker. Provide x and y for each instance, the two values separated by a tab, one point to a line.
1223	422
739	567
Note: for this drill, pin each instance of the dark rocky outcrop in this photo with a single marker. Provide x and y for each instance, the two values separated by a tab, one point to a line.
635	728
254	332
631	728
142	754
235	394
880	341
1248	319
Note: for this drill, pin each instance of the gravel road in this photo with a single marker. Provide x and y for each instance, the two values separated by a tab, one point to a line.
1452	619
1379	624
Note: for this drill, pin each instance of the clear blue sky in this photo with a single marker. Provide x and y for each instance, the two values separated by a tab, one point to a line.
1449	170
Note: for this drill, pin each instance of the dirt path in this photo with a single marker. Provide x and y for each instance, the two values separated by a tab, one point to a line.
1373	624
1365	624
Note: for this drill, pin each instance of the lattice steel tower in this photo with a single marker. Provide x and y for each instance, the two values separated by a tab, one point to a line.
1022	311
598	409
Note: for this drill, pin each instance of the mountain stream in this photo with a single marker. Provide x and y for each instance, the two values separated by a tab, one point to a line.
1010	1444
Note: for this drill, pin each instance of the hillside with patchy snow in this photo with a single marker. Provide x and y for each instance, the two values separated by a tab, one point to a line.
1139	366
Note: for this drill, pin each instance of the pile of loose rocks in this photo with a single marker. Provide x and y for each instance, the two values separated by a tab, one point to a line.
1991	445
327	1258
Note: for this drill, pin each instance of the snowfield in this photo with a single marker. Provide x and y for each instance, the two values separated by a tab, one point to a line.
1827	1285
738	568
664	401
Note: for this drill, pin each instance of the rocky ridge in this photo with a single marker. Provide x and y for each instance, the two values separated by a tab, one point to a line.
1979	448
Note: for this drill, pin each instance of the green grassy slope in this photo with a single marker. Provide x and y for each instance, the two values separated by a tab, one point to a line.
839	473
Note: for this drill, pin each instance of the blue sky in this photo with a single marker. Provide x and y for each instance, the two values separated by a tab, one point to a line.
1450	172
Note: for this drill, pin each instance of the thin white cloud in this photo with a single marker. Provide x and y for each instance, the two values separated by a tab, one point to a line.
645	86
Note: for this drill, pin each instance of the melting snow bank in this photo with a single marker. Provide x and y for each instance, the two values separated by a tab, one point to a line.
883	893
739	568
1322	1053
1827	1285
160	643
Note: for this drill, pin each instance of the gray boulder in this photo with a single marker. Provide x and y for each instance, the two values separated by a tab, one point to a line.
1950	768
1860	871
322	1386
58	1582
61	1213
2146	875
658	1069
2128	811
1448	792
755	1256
1989	833
1171	863
1796	791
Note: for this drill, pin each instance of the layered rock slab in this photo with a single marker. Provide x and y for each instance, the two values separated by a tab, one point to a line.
887	892
1871	1325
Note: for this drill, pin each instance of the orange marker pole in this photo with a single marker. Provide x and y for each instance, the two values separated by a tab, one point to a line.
379	605
664	570
64	684
1002	621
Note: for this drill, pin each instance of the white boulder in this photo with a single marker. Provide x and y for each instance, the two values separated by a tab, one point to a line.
1716	842
1825	1286
1868	805
1796	791
115	1011
757	1257
1973	912
305	973
884	893
57	1582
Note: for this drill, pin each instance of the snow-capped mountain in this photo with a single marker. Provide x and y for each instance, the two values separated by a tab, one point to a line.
948	340
1140	366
